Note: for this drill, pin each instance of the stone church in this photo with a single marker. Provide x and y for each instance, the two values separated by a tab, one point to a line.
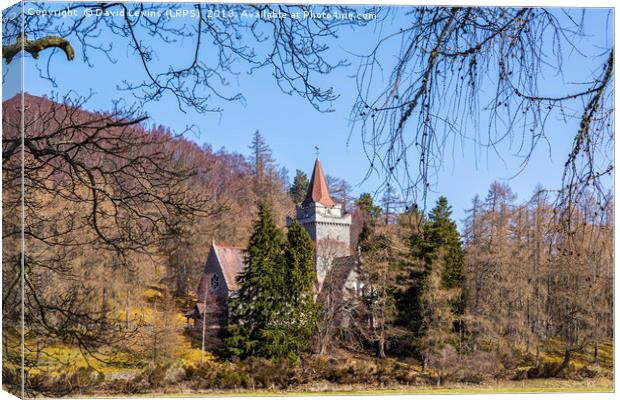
329	227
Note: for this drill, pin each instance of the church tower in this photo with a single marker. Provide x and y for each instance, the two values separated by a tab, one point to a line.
326	222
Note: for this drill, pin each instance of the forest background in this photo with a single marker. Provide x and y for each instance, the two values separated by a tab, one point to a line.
112	194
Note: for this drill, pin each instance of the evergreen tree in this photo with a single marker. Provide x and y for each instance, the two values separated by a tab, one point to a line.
365	203
444	235
408	304
439	290
259	302
299	188
298	291
274	312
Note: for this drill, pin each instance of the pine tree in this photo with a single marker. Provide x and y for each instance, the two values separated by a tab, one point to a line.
299	188
258	305
440	289
443	234
365	203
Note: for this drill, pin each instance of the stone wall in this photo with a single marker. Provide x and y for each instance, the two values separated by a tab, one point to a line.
330	230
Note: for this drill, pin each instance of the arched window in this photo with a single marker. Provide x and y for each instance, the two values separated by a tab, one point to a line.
215	282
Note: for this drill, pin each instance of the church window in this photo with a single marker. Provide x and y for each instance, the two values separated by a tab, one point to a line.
215	282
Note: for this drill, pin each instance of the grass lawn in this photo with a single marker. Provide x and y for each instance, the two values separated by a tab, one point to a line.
526	386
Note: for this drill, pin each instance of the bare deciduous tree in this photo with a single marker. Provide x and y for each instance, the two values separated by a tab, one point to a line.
461	68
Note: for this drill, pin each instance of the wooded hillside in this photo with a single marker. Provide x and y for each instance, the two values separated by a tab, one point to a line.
119	217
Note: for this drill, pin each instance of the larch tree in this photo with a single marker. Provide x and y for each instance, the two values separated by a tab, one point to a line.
531	285
340	191
386	270
269	180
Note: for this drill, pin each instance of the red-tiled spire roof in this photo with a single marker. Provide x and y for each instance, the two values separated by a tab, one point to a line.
318	191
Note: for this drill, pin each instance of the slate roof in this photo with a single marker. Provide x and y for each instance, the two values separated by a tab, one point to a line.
230	259
318	191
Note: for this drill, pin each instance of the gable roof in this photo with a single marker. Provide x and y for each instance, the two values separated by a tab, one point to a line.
230	259
318	191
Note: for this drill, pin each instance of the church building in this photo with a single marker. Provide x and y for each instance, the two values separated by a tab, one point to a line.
328	225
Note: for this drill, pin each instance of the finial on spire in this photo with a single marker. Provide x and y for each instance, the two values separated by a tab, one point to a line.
317	151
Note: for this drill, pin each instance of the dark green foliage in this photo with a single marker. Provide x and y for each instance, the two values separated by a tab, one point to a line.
430	307
365	203
273	314
299	309
299	256
257	304
443	234
440	238
299	188
409	308
446	239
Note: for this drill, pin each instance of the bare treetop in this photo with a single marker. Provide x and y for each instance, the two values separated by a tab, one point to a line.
459	69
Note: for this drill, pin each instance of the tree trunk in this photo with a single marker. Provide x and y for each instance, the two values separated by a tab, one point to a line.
181	289
127	310
381	347
460	340
596	362
567	354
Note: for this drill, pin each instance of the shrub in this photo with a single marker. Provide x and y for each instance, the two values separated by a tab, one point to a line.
266	373
545	370
228	376
478	367
202	376
151	377
79	380
174	375
10	379
446	364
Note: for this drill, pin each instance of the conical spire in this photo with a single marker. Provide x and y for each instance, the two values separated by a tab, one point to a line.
318	191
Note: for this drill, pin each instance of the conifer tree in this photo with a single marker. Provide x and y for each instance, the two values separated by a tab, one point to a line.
274	312
298	290
365	203
443	234
258	304
409	312
299	187
440	295
288	333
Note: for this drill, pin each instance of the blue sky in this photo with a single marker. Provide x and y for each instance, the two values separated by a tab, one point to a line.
292	127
